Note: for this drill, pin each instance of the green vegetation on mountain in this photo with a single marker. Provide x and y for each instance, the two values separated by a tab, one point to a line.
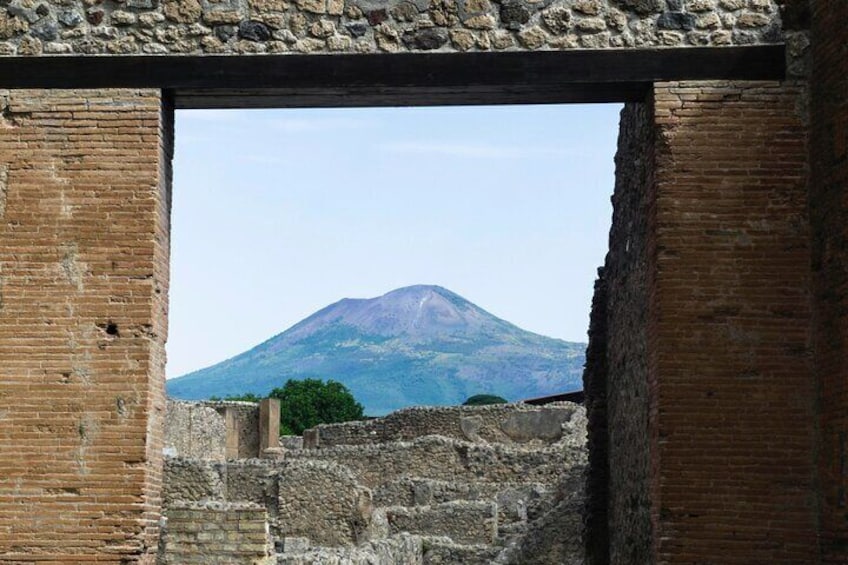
420	345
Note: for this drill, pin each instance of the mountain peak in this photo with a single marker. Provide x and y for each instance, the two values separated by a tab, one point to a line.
421	344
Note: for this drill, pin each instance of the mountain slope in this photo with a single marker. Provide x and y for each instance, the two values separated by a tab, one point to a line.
419	345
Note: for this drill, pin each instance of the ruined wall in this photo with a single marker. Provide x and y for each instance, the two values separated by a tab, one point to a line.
216	534
215	430
84	220
360	26
829	222
596	514
628	401
503	423
451	460
346	495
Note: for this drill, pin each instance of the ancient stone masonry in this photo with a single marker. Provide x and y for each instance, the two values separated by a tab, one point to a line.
212	430
126	27
431	499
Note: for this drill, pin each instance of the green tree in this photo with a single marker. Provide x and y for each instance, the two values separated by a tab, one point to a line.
307	403
246	397
483	399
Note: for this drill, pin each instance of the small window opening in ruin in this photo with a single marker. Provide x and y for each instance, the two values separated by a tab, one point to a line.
418	256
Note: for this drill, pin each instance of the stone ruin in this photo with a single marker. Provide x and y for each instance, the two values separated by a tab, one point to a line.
493	484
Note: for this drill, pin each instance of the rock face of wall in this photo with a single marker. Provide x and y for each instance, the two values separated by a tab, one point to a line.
361	26
463	501
215	430
626	276
507	424
829	222
84	219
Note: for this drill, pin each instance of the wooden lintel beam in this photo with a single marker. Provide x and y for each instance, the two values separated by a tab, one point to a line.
395	79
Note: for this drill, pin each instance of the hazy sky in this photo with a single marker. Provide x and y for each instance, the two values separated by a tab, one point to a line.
277	214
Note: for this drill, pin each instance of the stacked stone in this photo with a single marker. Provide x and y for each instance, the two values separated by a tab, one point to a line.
129	27
434	499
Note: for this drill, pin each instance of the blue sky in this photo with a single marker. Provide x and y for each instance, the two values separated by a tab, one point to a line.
277	214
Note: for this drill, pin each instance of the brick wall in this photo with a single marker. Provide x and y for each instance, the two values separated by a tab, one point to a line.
216	533
729	363
84	200
829	222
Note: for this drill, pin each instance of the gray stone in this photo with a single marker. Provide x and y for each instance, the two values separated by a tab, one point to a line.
48	31
69	18
676	20
514	14
426	39
142	4
225	32
27	14
357	29
254	31
642	6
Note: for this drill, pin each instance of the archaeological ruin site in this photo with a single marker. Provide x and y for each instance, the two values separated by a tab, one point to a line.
716	413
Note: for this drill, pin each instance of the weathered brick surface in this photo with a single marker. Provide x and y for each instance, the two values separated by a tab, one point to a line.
216	534
84	271
829	222
731	409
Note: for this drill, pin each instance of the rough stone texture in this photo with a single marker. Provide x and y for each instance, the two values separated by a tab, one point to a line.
596	516
478	497
626	276
403	549
829	223
192	480
555	535
322	501
214	430
450	460
57	27
501	423
195	430
463	521
216	534
85	223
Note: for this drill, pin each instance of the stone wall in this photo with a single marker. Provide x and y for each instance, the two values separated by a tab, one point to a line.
84	204
829	222
215	430
596	513
358	497
627	399
361	26
501	423
216	534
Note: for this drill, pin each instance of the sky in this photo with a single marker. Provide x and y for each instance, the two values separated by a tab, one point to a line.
279	213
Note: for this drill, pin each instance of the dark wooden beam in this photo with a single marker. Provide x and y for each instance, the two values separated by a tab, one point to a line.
398	79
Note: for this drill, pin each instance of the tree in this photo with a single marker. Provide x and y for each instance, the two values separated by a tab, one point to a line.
307	403
483	399
246	397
